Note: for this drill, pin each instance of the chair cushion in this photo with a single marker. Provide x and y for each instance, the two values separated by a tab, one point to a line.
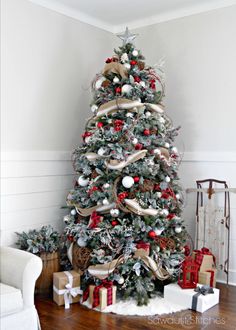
11	300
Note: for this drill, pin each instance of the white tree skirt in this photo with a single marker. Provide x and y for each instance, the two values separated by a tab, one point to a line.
156	306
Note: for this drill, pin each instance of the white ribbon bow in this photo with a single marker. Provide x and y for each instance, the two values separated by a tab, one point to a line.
69	291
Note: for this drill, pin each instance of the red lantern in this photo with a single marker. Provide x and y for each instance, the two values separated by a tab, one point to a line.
188	278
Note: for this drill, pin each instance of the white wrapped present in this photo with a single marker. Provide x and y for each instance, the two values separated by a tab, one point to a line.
188	298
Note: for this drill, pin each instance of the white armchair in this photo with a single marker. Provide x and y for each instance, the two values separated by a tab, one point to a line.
18	272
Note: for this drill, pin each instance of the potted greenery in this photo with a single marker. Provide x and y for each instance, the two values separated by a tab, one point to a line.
44	243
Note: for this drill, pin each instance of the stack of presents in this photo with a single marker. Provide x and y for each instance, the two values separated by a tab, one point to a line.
196	284
195	288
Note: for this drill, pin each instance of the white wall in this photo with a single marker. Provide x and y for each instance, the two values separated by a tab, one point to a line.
200	66
48	62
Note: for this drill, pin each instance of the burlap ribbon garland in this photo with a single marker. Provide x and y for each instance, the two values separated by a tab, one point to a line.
115	67
102	271
125	104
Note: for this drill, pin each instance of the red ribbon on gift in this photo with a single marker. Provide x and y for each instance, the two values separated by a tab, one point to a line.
212	276
201	253
105	284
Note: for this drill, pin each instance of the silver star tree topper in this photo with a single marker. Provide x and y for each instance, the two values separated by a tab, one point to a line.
127	37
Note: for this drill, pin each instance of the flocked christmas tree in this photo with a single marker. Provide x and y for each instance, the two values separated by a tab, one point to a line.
125	222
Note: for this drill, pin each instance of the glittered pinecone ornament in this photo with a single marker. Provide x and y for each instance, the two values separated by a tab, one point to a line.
147	185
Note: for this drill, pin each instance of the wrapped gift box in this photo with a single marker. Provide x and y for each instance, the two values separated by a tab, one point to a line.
103	296
184	298
207	262
207	277
66	288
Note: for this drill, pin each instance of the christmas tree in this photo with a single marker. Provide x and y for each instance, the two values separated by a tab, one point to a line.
126	204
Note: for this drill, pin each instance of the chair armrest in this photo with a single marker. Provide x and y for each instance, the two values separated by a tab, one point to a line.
20	269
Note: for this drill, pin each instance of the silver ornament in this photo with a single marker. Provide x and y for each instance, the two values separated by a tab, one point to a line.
116	80
120	280
73	212
94	108
114	212
83	181
126	89
106	186
81	242
127	66
178	229
105	201
135	52
167	178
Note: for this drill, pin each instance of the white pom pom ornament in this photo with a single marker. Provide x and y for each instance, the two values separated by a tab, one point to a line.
127	181
178	230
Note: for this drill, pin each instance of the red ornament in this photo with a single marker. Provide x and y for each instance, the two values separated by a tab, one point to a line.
152	234
133	62
86	134
170	216
138	146
146	132
136	179
114	223
137	79
188	278
118	90
122	195
152	84
108	60
100	124
91	190
70	238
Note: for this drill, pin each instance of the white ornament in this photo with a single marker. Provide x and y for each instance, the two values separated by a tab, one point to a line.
121	280
87	139
83	181
73	212
147	114
81	242
174	150
167	178
127	181
135	141
98	83
127	66
66	218
126	89
106	186
162	120
158	231
167	145
165	212
135	52
94	108
178	230
101	151
116	80
129	115
158	194
142	83
124	58
157	151
105	201
158	248
114	212
177	196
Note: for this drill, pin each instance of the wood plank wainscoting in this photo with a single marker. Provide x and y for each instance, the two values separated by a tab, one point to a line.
222	316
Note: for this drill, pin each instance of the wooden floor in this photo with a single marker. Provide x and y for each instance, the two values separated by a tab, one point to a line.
222	316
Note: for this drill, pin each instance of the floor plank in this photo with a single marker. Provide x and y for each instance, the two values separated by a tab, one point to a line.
222	317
